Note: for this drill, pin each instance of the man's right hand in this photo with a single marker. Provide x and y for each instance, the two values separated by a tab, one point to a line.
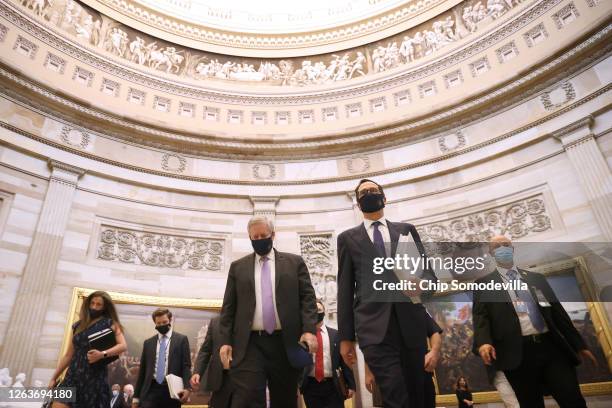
195	380
487	353
348	353
370	381
226	356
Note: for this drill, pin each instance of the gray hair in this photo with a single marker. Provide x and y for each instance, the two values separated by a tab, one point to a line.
260	219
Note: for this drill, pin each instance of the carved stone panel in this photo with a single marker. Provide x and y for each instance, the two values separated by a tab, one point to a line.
515	220
320	257
159	250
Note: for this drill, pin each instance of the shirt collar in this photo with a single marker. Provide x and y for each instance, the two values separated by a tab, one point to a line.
323	329
270	256
368	223
168	335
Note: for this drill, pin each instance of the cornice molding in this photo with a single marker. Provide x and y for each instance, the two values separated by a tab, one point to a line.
442	157
441	122
114	66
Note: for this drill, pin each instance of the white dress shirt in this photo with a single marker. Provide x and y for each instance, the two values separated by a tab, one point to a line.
258	315
527	328
159	336
327	361
383	228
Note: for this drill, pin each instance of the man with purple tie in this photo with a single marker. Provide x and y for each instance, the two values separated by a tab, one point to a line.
269	307
392	330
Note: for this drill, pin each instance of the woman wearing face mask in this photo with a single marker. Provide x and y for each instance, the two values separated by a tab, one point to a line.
89	379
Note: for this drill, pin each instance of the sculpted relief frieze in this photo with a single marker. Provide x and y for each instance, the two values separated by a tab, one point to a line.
516	220
89	26
319	255
129	246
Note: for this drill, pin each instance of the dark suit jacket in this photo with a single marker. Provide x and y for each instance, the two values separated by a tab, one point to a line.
496	322
295	302
208	362
337	362
179	363
120	402
369	319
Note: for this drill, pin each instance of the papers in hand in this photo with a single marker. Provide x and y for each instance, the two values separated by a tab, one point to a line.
175	386
406	248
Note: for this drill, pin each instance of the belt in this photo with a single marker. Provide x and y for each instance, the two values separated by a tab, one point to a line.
264	333
536	338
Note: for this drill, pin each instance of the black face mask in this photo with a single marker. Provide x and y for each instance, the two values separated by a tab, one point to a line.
320	317
262	246
94	314
163	329
370	203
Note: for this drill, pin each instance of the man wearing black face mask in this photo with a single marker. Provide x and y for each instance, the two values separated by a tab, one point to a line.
321	384
165	353
392	334
268	307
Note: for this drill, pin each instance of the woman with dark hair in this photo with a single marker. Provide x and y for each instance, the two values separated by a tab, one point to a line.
90	380
464	396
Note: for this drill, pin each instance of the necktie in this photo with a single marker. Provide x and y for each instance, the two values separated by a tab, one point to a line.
532	308
319	374
378	239
267	300
161	360
113	401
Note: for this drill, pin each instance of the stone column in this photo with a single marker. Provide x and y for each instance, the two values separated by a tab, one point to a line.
591	168
28	314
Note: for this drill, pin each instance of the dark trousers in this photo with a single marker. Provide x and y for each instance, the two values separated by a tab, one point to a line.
545	366
221	397
321	394
265	362
398	369
158	396
429	391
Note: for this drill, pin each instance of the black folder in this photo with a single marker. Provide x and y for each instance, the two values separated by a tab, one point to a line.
103	340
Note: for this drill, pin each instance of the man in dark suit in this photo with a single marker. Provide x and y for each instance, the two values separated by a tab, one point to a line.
117	398
321	384
268	307
434	333
391	333
208	368
165	353
527	334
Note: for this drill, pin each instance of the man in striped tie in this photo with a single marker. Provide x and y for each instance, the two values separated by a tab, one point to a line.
268	309
527	334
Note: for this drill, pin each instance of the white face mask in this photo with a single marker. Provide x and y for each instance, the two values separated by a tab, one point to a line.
115	393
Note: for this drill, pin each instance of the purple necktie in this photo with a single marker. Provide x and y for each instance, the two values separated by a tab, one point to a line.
378	238
267	300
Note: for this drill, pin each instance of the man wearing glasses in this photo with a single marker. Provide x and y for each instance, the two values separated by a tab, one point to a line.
392	334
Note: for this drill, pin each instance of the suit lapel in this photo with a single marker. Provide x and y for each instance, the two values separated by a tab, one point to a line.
363	240
394	236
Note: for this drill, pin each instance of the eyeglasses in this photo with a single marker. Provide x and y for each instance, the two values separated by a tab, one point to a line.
366	191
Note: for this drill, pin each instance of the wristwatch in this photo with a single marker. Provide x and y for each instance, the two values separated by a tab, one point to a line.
104	352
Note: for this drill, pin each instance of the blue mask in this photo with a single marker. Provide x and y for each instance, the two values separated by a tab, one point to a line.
504	255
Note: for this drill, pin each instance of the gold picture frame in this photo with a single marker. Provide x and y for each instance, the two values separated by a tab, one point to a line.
598	317
121	298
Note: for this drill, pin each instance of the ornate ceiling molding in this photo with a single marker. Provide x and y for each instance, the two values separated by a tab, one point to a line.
558	69
284	44
376	82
